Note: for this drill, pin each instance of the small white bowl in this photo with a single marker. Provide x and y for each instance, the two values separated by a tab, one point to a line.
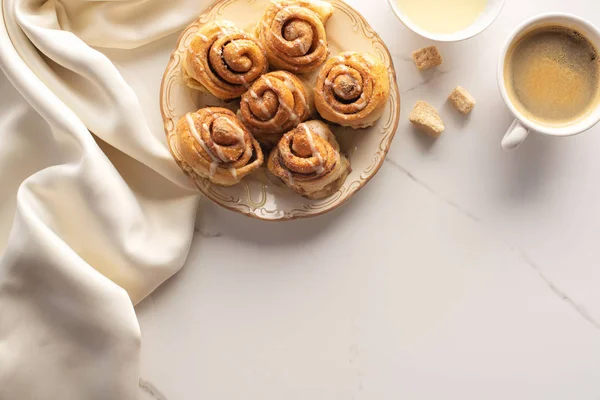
486	18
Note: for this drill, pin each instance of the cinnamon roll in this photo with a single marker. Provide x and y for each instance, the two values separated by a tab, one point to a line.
214	143
293	34
274	104
352	89
223	60
308	160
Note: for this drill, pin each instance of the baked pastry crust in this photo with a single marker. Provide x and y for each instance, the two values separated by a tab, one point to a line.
352	89
293	34
215	145
308	160
276	103
223	60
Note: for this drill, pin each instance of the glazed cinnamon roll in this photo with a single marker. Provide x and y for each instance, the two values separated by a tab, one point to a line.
293	34
352	90
274	104
214	143
223	60
308	160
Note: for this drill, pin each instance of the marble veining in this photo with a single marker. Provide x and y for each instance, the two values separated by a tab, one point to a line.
460	272
207	234
150	390
429	76
580	309
403	58
451	203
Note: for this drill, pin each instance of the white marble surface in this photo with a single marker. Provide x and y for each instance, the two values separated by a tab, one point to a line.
459	272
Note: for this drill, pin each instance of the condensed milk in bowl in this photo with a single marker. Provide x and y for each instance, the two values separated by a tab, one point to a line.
447	20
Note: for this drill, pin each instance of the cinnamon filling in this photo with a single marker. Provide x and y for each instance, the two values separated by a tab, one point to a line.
235	57
265	107
301	34
301	146
346	89
222	133
236	61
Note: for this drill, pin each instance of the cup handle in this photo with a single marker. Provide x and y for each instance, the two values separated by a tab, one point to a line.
515	135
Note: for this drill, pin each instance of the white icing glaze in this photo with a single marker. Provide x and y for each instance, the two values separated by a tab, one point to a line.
301	45
289	84
233	172
292	87
290	177
293	115
263	108
203	37
235	44
361	103
313	148
239	132
242	77
277	5
220	152
199	63
269	83
323	43
320	129
213	169
225	28
192	126
222	30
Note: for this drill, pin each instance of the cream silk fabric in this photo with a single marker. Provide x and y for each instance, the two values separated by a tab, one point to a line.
94	213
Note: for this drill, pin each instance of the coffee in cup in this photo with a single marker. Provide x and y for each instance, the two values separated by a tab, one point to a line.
548	76
552	75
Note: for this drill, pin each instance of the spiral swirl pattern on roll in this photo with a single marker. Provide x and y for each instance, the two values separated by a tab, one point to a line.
274	104
293	34
217	146
352	90
223	60
308	160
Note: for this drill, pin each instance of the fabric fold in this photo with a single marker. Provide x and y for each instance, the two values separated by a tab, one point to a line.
94	212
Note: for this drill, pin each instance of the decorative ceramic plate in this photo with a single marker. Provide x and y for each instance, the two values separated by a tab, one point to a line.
260	195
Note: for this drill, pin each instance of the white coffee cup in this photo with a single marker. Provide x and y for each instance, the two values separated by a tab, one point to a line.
522	125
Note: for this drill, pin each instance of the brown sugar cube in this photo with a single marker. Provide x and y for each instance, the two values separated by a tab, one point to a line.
462	100
426	118
427	57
